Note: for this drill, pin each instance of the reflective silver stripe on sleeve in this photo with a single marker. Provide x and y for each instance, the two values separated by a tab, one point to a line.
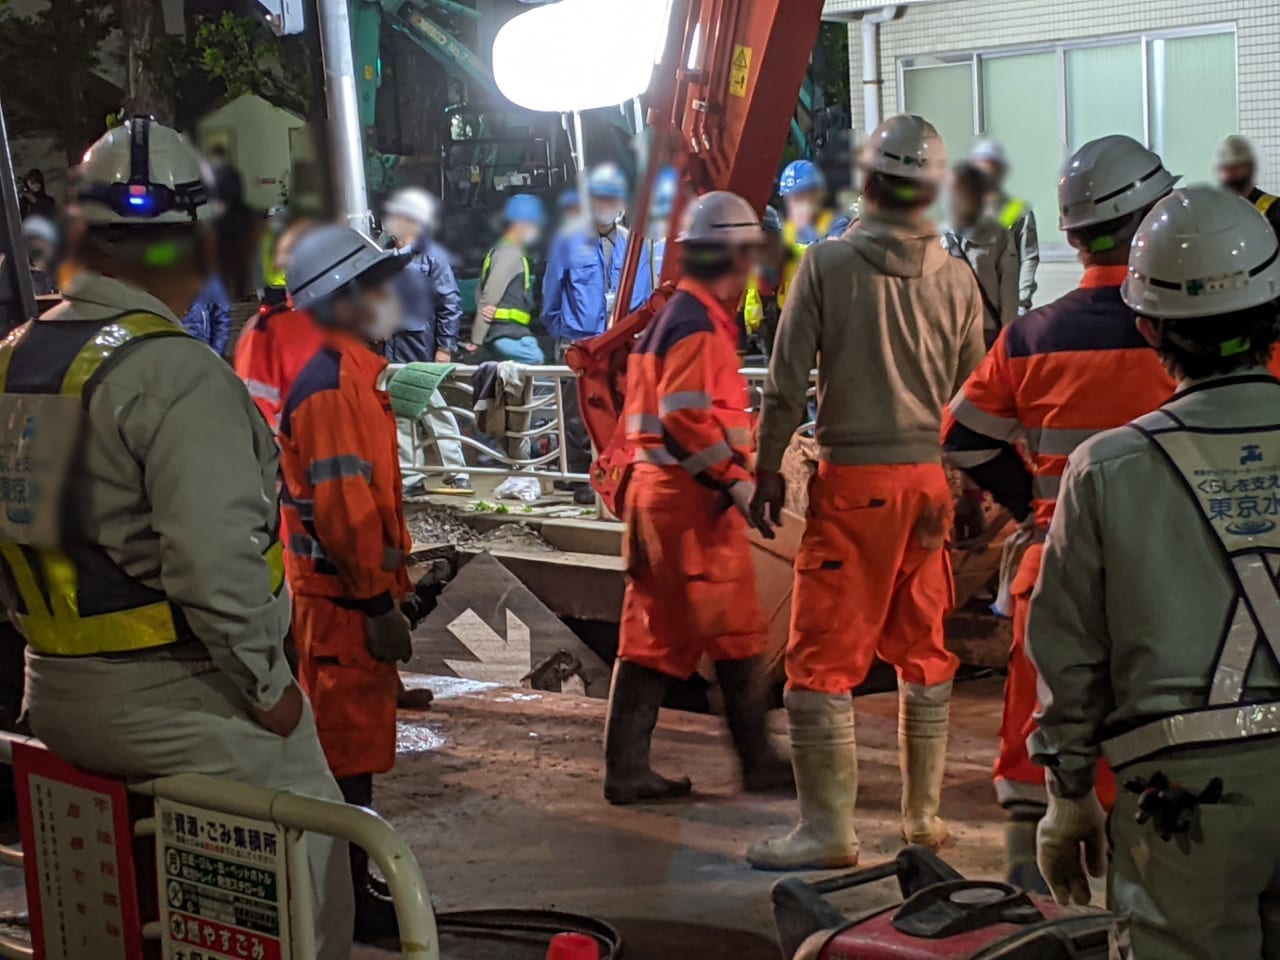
263	391
305	546
969	415
1223	725
335	468
1054	442
1046	488
644	423
684	400
707	457
392	558
656	456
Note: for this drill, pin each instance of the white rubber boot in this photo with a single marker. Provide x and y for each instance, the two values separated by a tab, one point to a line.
923	716
824	755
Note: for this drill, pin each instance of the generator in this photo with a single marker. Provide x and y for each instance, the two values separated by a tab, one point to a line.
942	915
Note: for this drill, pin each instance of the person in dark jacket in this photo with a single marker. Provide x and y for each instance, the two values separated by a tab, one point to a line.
432	306
34	199
209	319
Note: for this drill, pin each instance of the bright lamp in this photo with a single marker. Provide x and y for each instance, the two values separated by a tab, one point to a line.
579	54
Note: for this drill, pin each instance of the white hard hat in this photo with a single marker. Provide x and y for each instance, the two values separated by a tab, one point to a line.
36	227
415	205
1235	151
906	146
1108	178
992	151
330	257
140	173
1202	252
722	218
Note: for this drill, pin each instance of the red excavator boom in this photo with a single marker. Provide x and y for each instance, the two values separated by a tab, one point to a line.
721	104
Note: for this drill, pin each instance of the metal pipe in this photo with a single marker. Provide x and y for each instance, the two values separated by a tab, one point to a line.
344	114
414	914
17	246
872	82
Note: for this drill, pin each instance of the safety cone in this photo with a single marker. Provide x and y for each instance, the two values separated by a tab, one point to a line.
573	946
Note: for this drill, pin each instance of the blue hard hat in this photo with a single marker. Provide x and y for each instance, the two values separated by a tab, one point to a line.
524	208
800	175
607	181
665	185
568	198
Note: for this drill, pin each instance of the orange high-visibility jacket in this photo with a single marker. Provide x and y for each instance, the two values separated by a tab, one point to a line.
274	346
345	535
1054	378
686	401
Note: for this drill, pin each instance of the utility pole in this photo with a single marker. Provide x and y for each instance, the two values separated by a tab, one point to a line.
347	155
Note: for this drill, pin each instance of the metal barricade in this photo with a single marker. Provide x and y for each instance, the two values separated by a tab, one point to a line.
419	939
513	453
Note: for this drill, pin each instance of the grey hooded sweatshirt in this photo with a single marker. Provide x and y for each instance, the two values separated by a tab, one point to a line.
894	325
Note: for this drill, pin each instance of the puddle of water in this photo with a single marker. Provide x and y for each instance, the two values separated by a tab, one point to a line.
414	738
445	688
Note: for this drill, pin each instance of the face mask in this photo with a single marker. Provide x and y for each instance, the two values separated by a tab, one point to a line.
1237	184
801	211
387	318
532	236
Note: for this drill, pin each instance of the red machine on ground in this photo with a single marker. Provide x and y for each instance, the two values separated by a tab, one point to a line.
720	105
943	916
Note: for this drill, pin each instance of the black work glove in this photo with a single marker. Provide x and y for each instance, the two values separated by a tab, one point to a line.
387	637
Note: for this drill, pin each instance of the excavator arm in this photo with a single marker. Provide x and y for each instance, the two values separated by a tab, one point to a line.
722	101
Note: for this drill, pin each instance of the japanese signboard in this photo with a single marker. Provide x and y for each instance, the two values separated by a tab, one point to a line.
77	845
223	886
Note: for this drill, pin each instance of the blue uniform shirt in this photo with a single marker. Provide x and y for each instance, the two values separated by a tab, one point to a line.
209	318
577	283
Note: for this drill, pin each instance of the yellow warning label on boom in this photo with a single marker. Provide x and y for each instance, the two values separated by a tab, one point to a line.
739	71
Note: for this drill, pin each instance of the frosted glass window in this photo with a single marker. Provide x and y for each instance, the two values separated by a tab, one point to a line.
943	95
1016	91
1193	100
1104	93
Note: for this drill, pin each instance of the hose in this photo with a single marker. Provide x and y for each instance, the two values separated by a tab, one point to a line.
512	924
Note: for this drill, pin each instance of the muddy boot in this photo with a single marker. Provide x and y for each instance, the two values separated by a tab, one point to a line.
824	755
763	768
1021	869
634	700
376	922
923	715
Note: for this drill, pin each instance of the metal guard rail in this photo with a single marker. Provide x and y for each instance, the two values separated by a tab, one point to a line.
419	939
549	384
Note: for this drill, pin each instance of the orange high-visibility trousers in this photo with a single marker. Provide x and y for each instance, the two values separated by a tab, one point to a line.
1017	778
353	695
691	586
872	576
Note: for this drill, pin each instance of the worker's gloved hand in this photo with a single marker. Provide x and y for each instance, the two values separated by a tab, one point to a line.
283	718
766	503
740	495
388	638
1071	838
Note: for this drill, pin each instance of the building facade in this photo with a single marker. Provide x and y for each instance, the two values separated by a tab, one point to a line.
1043	77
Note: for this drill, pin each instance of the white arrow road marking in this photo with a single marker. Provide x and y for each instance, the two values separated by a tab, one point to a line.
500	661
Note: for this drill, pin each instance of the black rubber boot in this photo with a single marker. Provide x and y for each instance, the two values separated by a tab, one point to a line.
376	923
634	700
763	768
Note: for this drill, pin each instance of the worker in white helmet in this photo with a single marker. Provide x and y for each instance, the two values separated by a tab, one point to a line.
1236	165
691	588
1057	375
1156	620
155	611
432	302
1013	213
894	325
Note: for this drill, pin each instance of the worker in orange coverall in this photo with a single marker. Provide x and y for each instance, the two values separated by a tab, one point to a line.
894	325
691	588
278	340
1055	377
344	531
